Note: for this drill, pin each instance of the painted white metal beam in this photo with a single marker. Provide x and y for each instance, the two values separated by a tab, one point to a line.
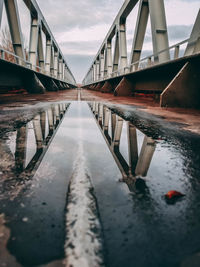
33	43
194	41
15	29
1	10
159	30
140	29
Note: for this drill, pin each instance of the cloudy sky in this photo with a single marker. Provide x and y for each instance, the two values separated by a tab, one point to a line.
80	26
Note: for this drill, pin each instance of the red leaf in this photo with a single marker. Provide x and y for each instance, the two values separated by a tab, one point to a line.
173	194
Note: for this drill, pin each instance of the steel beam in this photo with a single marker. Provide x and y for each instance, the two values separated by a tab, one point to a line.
55	63
15	29
116	53
1	10
48	56
109	57
102	60
40	50
33	43
138	40
194	41
159	30
97	70
52	62
60	69
122	47
105	64
94	71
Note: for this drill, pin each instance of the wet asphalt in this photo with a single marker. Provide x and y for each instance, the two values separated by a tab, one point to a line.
139	229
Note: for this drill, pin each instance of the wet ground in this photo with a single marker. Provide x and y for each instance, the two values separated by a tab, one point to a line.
84	183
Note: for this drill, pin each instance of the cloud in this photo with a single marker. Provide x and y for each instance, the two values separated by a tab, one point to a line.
179	32
78	14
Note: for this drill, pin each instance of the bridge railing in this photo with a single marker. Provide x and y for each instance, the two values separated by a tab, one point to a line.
150	60
13	58
176	51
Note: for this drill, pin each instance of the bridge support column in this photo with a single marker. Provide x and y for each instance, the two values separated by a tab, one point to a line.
124	88
122	48
33	44
102	65
116	55
60	69
48	56
52	62
194	41
109	58
1	10
55	63
138	40
15	29
40	50
97	70
94	72
183	90
159	29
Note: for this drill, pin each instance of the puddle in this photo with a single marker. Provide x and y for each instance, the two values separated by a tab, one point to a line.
128	168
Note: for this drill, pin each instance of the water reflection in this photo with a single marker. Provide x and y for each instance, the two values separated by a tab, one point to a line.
111	126
138	163
19	165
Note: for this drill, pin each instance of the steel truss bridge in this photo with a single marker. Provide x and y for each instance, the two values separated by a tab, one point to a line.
36	74
170	74
172	77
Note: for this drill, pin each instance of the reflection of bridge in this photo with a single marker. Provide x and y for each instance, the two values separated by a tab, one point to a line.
45	126
35	73
109	122
165	73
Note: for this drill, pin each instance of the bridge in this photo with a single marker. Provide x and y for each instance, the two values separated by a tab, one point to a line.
103	173
171	75
34	73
